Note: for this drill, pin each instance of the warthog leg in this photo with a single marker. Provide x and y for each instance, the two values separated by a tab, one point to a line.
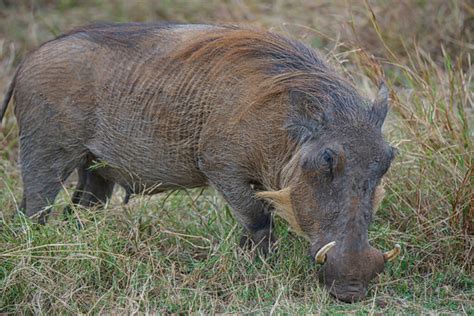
44	168
91	190
253	213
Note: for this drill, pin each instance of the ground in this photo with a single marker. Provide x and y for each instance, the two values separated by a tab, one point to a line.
178	251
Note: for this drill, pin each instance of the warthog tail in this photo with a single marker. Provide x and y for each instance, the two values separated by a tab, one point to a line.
6	100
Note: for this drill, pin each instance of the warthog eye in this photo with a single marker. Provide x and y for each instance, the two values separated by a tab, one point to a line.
328	161
327	156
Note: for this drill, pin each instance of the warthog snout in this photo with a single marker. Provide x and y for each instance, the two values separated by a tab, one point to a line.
347	274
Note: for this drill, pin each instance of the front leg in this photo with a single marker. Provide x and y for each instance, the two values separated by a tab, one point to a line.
252	213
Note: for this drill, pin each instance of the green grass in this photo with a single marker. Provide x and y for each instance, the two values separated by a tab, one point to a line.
178	252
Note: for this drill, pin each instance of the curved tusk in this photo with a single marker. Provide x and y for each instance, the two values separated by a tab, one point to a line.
392	254
321	255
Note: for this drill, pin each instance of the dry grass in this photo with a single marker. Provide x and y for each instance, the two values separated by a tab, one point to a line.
178	253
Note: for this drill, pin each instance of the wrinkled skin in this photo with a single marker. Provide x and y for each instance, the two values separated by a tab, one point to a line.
153	107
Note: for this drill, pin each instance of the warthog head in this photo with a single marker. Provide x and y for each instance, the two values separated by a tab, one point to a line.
333	191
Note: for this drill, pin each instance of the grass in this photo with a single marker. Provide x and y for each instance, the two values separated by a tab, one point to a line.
178	252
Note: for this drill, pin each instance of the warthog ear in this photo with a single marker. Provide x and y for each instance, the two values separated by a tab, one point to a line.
304	122
380	106
281	200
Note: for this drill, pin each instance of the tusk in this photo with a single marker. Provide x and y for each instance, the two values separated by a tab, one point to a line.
392	254
321	255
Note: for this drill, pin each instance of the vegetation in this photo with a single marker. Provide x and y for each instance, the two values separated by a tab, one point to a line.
178	252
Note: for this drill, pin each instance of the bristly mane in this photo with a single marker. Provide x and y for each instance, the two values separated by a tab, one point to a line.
117	35
276	66
272	66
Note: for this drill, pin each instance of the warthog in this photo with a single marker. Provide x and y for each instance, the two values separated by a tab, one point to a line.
259	117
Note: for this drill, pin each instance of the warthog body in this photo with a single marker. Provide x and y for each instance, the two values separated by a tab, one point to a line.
259	117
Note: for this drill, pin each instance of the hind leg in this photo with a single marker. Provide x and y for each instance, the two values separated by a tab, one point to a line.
78	191
43	169
92	189
97	190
